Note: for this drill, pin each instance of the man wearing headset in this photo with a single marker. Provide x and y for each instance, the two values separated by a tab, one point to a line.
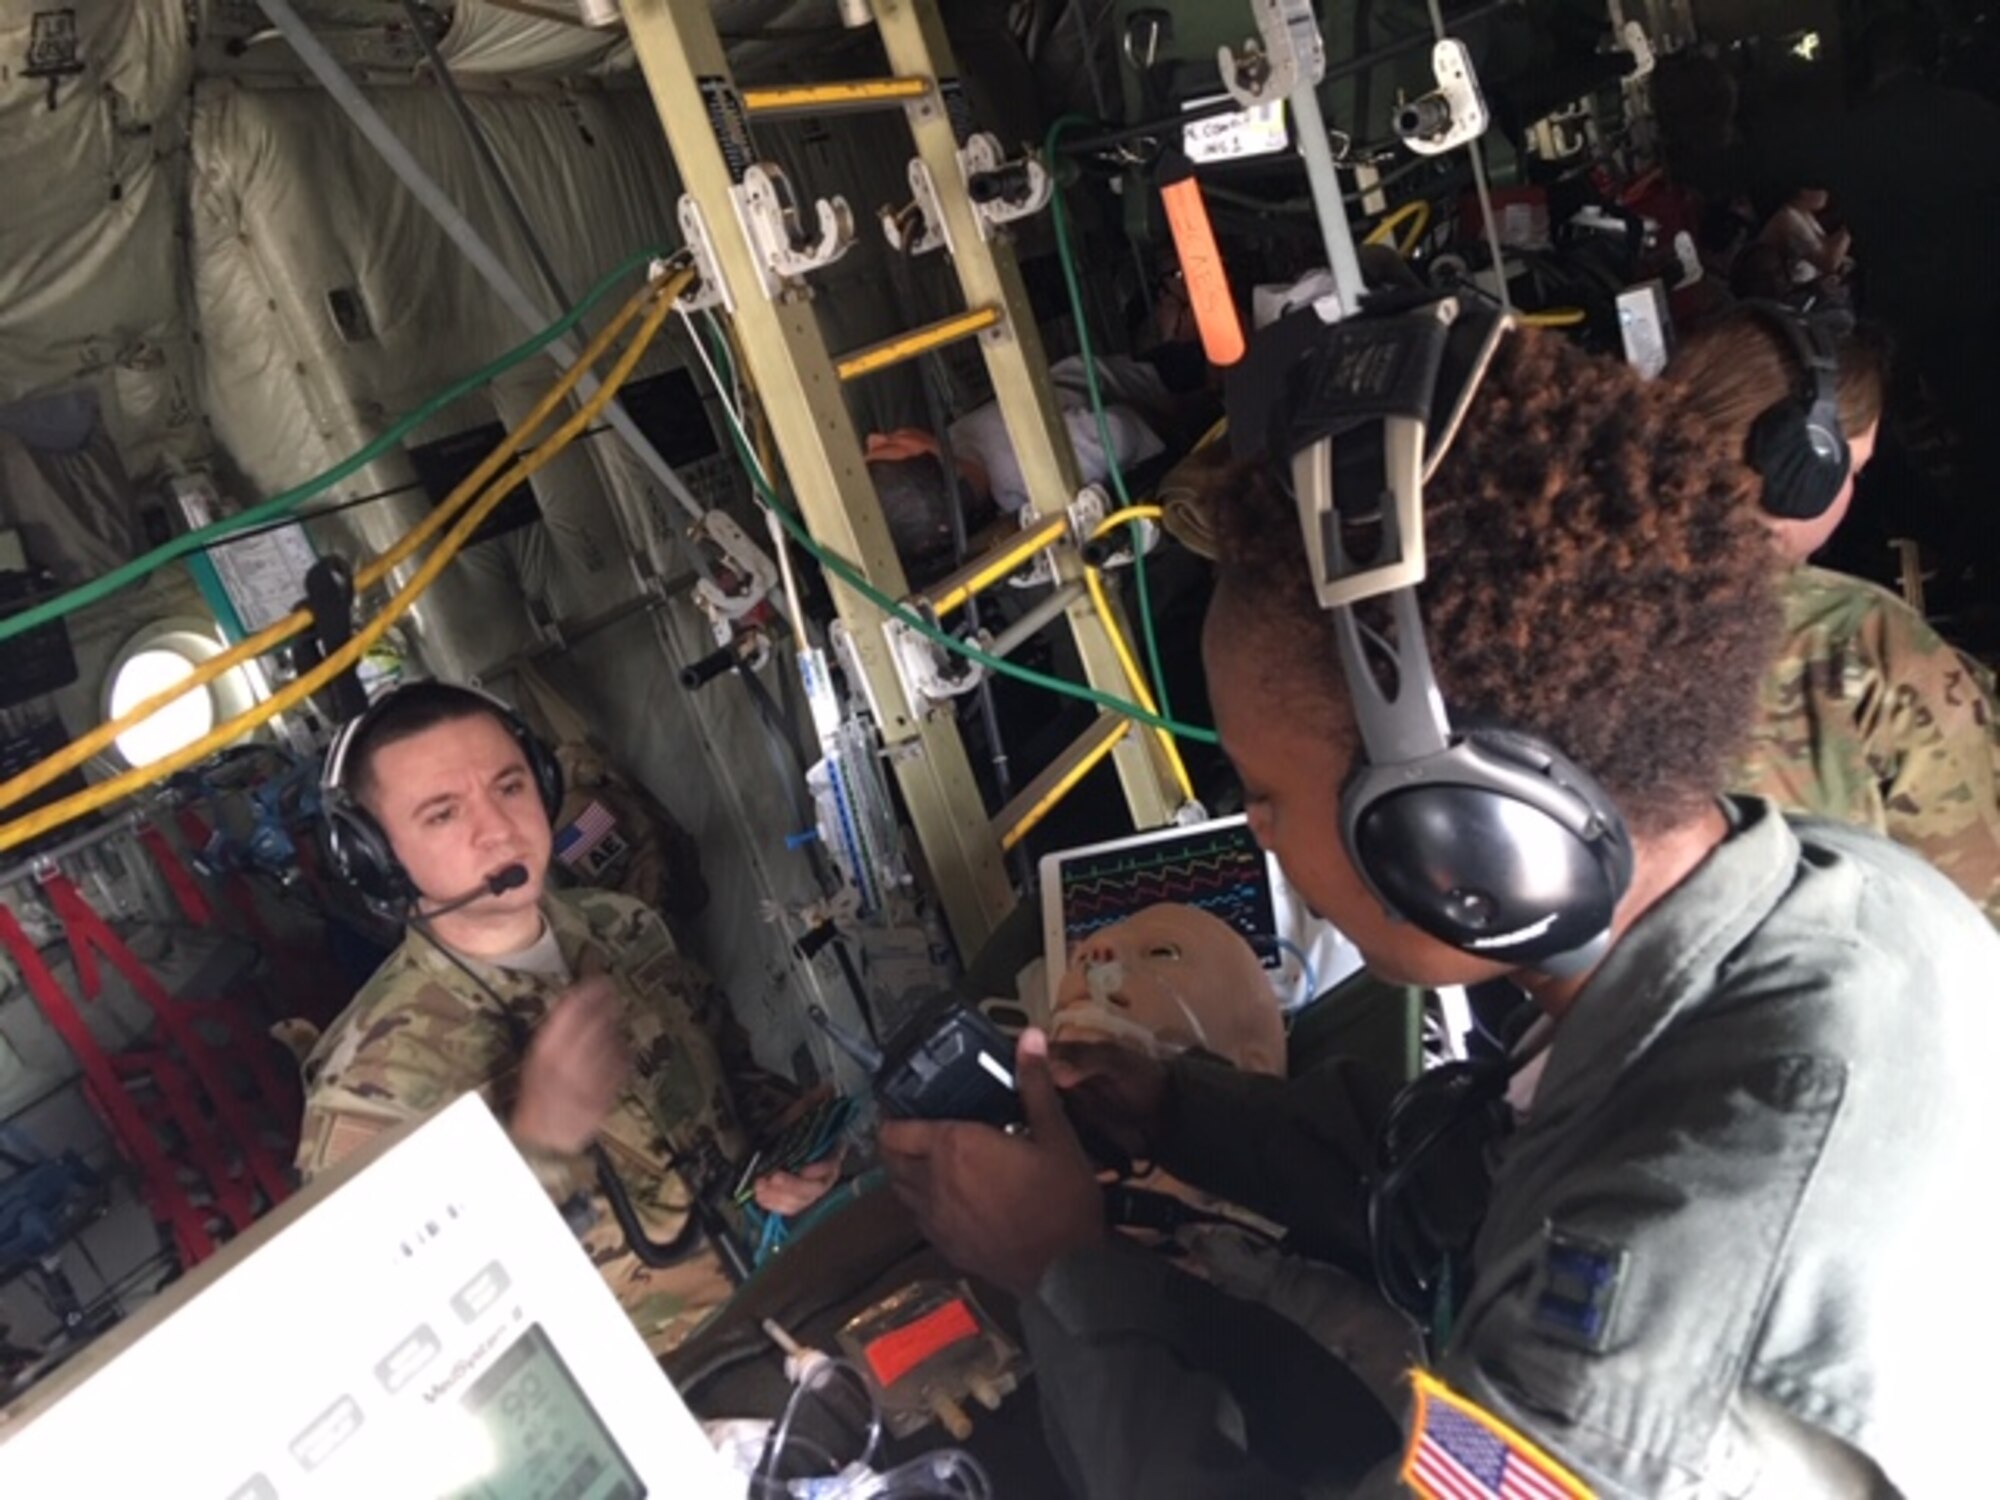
1869	715
1753	1111
613	1060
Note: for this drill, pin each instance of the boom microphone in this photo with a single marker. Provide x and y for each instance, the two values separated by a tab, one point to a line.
506	878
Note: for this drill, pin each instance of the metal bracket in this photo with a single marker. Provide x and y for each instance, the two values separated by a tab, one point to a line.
710	290
770	215
756	575
918	227
1087	512
1084	514
1286	51
930	673
1455	115
1000	192
1632	39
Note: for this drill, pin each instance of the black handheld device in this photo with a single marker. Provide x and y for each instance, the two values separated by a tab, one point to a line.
950	1063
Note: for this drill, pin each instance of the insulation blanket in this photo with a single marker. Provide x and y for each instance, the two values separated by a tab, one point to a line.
92	98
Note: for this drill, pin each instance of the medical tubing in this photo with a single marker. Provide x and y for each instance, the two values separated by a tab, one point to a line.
140	568
80	750
340	660
1066	253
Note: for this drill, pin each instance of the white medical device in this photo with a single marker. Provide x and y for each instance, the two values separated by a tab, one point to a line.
420	1323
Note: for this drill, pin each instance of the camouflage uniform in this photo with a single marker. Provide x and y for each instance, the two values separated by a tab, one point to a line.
420	1034
612	834
1871	718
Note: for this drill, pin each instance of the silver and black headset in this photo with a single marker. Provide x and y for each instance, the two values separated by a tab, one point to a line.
1487	837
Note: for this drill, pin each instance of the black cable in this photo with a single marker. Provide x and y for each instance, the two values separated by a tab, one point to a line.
482	149
934	381
649	1252
1483	1084
299	518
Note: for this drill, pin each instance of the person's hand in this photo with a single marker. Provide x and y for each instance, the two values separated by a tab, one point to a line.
1002	1207
575	1066
789	1193
1118	1092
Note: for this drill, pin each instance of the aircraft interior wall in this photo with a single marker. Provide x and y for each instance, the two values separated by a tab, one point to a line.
250	204
181	222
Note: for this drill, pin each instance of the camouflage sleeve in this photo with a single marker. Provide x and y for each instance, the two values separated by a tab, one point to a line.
402	1059
1936	746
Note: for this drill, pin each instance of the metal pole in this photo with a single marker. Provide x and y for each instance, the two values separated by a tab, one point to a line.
1325	184
460	230
483	149
1036	620
1480	189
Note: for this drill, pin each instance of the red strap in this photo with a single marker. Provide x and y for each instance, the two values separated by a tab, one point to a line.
197	833
107	1095
184	1109
86	929
194	905
278	1086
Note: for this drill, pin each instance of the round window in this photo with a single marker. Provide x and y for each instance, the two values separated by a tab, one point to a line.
179	724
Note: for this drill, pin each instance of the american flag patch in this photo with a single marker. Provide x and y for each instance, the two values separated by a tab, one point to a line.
590	843
1458	1452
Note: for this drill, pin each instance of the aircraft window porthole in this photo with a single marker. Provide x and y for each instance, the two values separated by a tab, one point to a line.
180	723
157	659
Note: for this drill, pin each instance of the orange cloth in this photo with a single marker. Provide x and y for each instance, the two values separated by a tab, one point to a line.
912	442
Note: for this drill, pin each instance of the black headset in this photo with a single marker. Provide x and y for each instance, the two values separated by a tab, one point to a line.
1798	447
1487	838
354	843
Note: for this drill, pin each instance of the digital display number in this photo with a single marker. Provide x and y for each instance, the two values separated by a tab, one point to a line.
547	1441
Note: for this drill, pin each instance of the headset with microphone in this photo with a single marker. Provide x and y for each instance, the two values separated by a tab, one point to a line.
356	846
1798	447
1486	837
358	850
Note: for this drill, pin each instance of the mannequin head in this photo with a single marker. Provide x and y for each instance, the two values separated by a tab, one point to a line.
1167	979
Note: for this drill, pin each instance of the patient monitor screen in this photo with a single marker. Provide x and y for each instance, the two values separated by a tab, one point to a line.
1218	868
546	1439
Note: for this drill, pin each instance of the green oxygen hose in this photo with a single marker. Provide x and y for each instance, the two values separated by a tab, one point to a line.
1066	253
85	595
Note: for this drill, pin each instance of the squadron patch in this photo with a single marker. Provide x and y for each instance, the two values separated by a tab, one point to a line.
1460	1452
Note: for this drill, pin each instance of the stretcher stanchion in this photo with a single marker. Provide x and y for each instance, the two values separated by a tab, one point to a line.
87	931
187	894
165	1197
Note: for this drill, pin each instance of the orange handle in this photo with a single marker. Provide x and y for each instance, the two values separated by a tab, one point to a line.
1202	270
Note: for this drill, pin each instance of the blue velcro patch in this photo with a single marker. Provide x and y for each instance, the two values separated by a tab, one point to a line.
1578	1290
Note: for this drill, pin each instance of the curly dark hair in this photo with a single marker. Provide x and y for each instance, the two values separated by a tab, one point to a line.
1596	577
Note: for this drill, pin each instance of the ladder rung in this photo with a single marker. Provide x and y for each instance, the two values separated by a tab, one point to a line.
1038	798
905	346
817	98
947	594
